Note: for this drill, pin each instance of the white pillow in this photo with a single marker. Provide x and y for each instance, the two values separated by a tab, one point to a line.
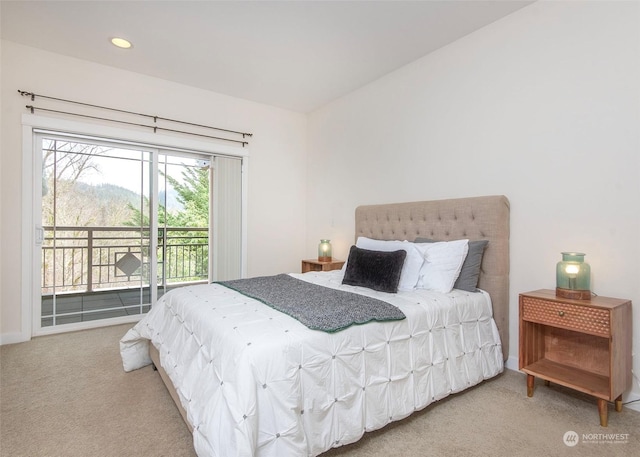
443	262
412	262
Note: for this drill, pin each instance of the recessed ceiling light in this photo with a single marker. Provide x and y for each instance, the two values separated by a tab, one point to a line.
121	43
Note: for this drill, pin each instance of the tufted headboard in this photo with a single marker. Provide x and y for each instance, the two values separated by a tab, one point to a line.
475	218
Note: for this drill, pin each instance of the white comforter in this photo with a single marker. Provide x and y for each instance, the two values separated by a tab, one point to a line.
256	382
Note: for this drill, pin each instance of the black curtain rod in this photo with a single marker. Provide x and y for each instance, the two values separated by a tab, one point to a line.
155	128
155	118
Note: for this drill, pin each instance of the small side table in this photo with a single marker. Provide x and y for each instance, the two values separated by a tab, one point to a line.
315	265
581	344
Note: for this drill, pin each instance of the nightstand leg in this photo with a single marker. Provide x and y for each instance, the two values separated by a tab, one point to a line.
602	409
619	403
530	381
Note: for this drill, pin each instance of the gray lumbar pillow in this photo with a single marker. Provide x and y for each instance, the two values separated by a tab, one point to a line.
470	272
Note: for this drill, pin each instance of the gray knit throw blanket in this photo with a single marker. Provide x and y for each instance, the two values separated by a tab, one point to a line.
317	307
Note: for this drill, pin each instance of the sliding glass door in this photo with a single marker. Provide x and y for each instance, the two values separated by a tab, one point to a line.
120	226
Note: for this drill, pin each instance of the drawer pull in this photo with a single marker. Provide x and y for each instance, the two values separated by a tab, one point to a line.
561	313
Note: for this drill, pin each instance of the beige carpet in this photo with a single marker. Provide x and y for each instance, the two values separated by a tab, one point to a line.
67	395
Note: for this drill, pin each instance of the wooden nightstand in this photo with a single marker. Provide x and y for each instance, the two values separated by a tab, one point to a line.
315	265
581	344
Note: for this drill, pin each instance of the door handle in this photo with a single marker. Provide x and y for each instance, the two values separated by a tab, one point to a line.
39	235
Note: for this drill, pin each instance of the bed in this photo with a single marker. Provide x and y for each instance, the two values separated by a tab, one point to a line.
251	380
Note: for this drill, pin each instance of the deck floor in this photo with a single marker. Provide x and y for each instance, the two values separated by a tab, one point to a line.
97	305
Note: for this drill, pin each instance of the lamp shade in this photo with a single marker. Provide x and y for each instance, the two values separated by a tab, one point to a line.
324	251
573	277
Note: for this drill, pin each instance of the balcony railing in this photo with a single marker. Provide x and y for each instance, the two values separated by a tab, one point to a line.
86	259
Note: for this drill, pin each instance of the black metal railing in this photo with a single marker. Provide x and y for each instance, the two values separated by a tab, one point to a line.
86	259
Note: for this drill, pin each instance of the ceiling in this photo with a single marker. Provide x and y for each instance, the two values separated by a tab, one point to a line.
297	55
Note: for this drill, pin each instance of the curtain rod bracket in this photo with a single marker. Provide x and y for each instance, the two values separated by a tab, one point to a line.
31	108
24	93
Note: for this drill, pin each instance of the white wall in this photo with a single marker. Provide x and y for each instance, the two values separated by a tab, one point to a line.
542	106
277	164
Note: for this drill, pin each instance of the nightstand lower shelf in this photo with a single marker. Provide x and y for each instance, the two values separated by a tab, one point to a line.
574	378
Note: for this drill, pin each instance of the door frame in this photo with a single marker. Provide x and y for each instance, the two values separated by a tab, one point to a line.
30	269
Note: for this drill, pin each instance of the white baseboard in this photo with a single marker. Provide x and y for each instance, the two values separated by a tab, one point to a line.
12	338
634	406
632	396
512	363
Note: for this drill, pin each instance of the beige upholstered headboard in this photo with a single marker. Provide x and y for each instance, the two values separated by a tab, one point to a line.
475	218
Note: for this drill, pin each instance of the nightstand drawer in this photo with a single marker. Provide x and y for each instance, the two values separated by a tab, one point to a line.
594	321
